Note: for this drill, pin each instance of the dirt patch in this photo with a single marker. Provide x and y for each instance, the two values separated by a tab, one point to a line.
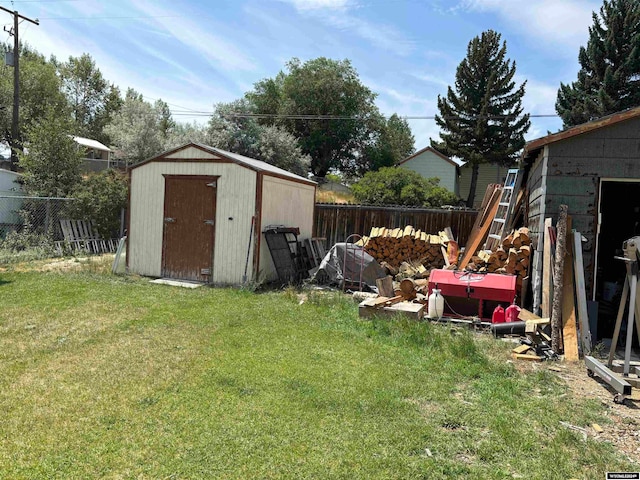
75	264
623	432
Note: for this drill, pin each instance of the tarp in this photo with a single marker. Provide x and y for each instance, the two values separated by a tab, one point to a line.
346	260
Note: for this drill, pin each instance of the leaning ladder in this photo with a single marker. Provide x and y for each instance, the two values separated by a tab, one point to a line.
496	231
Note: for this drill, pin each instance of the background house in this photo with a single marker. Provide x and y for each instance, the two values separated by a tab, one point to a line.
198	213
594	169
97	156
10	193
430	163
487	174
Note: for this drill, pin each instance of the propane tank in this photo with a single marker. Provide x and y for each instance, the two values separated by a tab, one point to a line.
511	313
436	304
498	315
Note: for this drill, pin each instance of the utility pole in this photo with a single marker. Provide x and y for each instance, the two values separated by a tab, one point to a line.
15	132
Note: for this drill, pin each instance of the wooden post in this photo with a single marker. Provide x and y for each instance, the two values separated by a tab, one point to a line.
558	275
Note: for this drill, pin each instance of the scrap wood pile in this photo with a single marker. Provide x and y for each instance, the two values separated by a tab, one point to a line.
512	256
407	252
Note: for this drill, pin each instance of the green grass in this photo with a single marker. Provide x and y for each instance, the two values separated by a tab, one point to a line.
114	377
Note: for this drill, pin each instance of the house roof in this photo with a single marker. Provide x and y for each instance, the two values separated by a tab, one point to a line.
532	147
251	163
87	142
4	171
428	149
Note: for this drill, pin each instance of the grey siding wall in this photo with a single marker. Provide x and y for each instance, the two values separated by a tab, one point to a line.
486	174
575	167
430	165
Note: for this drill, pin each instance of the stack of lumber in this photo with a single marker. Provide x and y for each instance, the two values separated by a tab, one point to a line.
536	346
395	246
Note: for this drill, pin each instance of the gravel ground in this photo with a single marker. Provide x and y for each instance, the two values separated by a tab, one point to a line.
624	429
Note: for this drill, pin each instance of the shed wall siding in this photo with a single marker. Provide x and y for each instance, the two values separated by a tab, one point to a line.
235	207
575	168
430	165
191	152
284	203
486	174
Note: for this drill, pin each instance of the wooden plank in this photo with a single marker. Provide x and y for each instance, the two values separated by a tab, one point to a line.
581	294
521	356
521	349
547	265
525	315
569	328
478	236
412	310
385	286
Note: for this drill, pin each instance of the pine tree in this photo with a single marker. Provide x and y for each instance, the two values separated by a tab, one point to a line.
609	77
482	121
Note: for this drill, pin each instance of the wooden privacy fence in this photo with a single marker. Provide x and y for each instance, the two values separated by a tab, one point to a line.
336	222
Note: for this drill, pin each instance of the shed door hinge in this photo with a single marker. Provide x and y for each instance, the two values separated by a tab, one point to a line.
213	184
210	222
205	271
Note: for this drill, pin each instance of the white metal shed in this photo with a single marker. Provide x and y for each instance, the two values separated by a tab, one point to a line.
197	212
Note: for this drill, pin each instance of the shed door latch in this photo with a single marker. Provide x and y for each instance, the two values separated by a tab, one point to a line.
210	222
169	220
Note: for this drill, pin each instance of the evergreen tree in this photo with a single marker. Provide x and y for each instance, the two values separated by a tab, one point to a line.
482	120
609	77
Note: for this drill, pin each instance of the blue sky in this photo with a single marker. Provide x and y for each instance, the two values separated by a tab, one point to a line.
193	54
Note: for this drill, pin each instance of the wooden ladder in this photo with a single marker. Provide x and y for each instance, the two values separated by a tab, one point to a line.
496	231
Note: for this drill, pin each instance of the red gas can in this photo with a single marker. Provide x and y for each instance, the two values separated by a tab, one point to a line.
511	313
498	315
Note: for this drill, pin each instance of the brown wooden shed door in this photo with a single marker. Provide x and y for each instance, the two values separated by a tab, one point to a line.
189	227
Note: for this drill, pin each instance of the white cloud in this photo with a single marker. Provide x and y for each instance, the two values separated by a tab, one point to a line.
335	13
434	79
302	5
563	23
219	52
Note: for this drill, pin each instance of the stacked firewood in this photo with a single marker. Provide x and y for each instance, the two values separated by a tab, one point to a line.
395	246
512	256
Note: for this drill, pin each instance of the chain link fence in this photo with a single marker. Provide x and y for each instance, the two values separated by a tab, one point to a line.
41	227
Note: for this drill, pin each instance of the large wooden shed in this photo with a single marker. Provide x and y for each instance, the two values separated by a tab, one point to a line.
594	169
197	213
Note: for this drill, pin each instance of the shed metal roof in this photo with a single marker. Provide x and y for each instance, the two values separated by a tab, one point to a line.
87	142
252	163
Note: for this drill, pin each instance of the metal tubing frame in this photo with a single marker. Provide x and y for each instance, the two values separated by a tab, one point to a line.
344	263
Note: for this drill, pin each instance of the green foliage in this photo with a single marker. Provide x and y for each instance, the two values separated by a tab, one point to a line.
245	136
394	143
101	198
39	91
482	121
51	163
399	186
322	87
136	129
93	100
609	76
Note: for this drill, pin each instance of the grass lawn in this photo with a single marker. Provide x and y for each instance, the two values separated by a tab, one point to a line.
114	377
